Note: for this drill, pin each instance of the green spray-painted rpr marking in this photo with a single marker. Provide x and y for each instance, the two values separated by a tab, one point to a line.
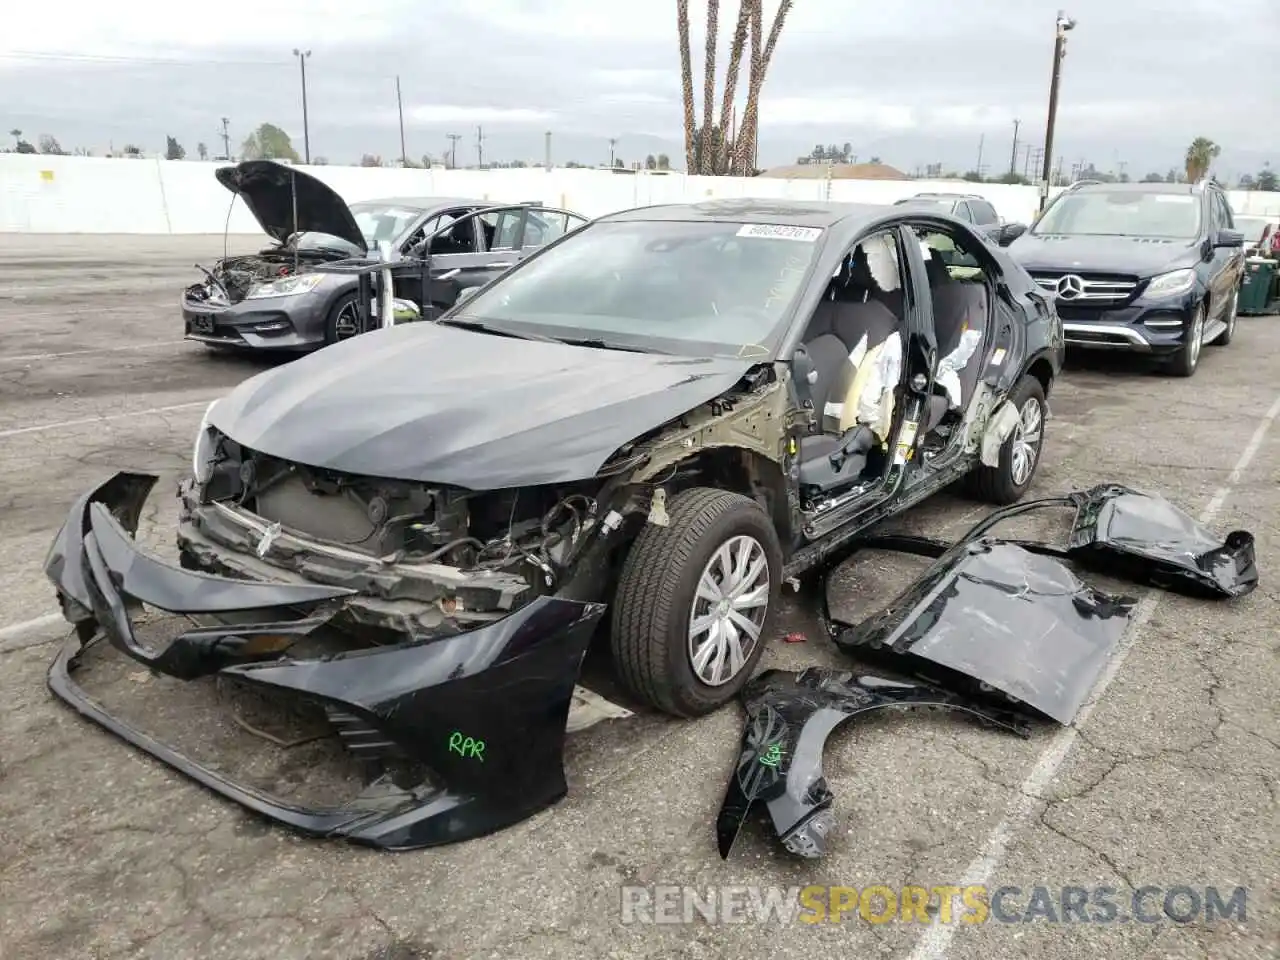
773	756
465	746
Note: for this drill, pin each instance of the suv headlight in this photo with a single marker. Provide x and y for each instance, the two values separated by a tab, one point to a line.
205	448
1170	284
285	286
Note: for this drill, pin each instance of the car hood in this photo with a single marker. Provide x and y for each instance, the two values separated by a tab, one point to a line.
267	189
1141	256
431	403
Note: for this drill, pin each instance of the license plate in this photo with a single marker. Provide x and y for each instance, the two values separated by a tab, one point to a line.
202	324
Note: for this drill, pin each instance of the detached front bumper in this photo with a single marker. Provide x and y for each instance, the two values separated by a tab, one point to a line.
482	712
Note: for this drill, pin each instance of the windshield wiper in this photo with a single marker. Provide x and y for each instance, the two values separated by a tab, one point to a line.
479	326
598	344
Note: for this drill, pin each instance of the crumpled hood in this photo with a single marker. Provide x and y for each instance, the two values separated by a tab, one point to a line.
436	404
1135	255
267	189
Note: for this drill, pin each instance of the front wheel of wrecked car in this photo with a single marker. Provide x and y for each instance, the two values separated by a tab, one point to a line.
1019	454
693	602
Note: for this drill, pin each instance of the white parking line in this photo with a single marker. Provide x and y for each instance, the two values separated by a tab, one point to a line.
15	637
933	945
39	428
82	353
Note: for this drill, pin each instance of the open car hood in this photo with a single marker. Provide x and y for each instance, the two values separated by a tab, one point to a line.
1002	630
268	190
435	404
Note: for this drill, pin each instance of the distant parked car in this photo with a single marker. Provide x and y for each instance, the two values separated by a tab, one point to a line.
971	208
280	299
1153	268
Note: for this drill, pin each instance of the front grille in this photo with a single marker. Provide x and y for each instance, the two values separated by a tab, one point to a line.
1094	289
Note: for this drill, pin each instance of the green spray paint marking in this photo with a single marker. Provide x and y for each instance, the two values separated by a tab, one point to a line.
773	756
466	746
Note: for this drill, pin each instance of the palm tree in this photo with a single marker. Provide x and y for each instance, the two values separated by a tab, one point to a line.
686	79
745	147
706	148
736	47
16	134
1200	157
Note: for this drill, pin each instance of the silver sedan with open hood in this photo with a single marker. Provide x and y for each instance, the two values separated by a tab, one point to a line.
277	299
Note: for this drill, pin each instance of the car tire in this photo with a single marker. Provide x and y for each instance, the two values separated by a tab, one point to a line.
337	323
1187	360
1012	478
657	601
1224	338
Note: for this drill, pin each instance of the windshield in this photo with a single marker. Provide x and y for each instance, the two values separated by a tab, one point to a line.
380	221
1123	213
1251	227
691	288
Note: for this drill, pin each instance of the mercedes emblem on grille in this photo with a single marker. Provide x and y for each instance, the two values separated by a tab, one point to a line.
1070	287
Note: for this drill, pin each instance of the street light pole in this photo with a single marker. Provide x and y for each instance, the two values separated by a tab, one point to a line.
1062	25
306	132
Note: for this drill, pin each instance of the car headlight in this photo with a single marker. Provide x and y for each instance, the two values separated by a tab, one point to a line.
203	452
1169	284
285	286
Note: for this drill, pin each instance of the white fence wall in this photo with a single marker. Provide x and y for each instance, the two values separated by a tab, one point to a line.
52	194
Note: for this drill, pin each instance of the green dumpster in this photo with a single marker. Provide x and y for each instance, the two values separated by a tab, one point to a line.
1255	287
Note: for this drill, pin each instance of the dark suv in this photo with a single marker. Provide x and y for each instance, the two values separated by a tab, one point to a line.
972	209
1148	267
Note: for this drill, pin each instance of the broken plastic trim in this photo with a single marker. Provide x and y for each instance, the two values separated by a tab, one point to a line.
483	712
789	717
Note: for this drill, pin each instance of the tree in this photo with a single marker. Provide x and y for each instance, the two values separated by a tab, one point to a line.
973	176
319	161
268	142
370	160
1247	182
686	82
745	143
49	144
131	150
651	162
16	134
706	157
1153	178
664	162
1200	157
173	150
1171	176
202	151
1267	180
618	164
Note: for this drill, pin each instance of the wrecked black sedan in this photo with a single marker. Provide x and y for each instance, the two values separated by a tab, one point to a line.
285	298
664	415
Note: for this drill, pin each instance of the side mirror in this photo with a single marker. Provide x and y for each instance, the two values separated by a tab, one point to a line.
1011	232
1229	238
466	294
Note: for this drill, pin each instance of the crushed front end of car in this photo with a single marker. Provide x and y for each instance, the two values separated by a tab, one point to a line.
455	731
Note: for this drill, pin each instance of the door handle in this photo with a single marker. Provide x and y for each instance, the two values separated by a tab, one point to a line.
498	266
448	274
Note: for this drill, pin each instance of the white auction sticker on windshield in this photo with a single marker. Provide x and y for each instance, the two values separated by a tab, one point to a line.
774	231
1173	198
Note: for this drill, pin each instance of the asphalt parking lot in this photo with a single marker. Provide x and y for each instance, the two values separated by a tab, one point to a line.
1171	779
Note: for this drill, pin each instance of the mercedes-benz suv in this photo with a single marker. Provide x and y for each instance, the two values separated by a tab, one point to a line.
1152	268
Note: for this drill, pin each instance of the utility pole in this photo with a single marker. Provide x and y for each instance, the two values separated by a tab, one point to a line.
1013	156
404	155
978	169
546	160
1061	26
480	147
453	150
226	140
613	142
306	132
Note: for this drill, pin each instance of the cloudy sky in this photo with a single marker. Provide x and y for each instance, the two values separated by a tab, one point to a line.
913	81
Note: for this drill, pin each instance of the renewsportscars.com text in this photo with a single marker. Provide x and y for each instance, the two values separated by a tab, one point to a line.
878	904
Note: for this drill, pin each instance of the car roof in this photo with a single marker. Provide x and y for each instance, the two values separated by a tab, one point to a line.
798	213
425	204
1176	188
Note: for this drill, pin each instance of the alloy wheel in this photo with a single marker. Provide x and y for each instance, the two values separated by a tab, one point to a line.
346	323
729	609
1026	441
1196	337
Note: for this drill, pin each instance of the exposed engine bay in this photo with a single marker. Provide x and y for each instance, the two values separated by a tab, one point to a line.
427	561
232	279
